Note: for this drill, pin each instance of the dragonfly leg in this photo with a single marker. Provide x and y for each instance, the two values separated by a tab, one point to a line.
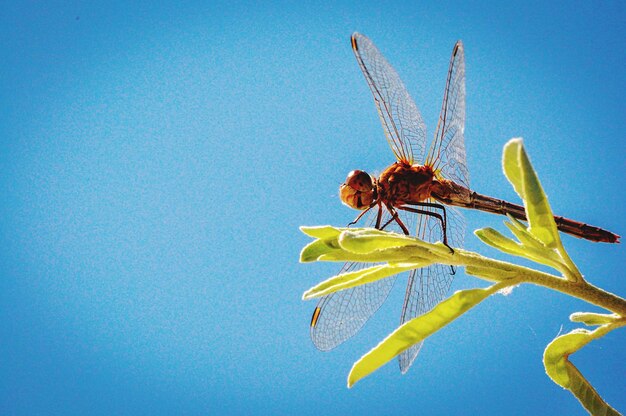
359	217
396	218
386	224
379	217
443	218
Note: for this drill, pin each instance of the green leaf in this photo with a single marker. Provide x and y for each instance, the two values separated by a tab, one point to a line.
367	241
540	215
522	234
369	246
490	273
555	356
510	165
593	319
534	250
520	173
355	278
393	255
321	231
530	247
370	240
416	330
495	239
319	248
565	374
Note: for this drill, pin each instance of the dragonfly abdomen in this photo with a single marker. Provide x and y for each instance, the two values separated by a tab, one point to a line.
452	193
571	227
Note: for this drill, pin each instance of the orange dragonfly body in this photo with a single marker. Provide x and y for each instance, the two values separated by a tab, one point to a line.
415	195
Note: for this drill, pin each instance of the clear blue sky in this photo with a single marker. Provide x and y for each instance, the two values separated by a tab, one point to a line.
156	161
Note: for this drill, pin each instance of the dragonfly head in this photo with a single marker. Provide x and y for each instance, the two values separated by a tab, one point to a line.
358	191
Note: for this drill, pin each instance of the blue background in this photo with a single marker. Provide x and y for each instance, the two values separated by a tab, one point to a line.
156	161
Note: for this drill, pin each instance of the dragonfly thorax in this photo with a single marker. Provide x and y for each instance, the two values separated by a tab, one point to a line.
359	190
402	184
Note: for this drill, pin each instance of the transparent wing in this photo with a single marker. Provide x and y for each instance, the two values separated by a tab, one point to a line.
428	286
447	156
447	153
342	314
401	120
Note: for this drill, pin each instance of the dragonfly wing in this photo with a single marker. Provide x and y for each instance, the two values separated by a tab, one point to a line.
429	285
401	120
342	314
447	153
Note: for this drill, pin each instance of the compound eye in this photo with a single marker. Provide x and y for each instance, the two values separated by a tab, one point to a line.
359	181
358	190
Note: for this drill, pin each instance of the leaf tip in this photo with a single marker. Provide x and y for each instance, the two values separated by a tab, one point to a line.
353	378
306	257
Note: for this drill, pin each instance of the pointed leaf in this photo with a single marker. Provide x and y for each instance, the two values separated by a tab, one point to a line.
497	240
510	165
367	241
321	231
317	249
517	223
593	319
540	215
395	255
520	173
355	278
565	374
416	330
524	237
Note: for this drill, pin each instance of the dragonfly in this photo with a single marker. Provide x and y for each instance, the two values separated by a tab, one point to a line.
417	194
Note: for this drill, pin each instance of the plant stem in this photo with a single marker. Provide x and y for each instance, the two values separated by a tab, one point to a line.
587	292
502	271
